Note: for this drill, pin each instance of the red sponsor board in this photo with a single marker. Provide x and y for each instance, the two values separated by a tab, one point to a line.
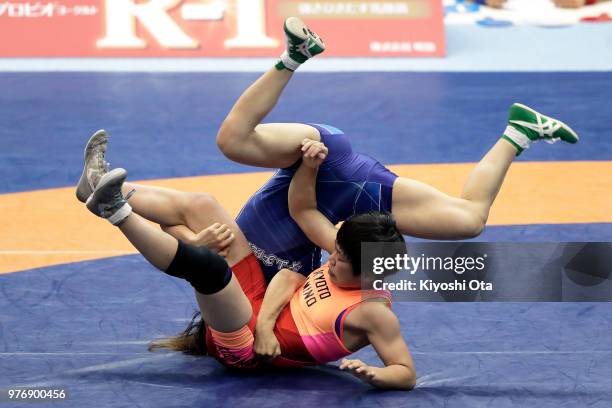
216	28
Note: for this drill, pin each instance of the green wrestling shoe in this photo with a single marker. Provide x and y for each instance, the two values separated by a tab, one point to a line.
302	44
95	165
107	200
526	126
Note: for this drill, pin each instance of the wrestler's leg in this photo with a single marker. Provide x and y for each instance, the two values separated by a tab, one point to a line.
423	211
242	138
165	206
208	273
226	310
276	145
195	211
187	213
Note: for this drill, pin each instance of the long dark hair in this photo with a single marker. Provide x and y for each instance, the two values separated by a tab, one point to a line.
191	341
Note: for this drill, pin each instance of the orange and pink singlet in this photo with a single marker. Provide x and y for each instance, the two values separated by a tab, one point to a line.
309	329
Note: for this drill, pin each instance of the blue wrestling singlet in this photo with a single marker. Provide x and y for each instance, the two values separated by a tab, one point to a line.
347	183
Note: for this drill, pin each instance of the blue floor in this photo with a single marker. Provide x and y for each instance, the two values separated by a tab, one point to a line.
74	326
86	325
544	233
156	120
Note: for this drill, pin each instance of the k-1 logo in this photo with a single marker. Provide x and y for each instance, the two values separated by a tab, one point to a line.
154	16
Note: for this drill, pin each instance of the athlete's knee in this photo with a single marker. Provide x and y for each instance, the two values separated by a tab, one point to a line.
476	229
473	224
228	135
194	204
224	137
205	270
203	202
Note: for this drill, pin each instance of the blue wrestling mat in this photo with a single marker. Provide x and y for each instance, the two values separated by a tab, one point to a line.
75	327
157	120
85	326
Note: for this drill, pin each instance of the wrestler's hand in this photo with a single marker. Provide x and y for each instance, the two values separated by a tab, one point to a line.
313	153
359	369
217	238
266	344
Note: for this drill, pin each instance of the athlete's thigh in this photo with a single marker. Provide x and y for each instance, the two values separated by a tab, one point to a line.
161	205
202	213
196	211
227	310
423	211
274	145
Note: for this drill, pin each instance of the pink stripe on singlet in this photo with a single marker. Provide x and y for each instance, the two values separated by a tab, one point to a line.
324	347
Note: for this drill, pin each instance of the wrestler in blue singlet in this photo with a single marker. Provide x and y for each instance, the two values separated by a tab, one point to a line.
347	183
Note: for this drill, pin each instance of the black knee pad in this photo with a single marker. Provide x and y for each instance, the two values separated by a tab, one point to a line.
205	270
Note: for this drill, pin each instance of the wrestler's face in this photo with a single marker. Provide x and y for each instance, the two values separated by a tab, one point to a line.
341	270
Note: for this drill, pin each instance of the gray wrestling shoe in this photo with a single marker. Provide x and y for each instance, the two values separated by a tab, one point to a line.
107	201
95	165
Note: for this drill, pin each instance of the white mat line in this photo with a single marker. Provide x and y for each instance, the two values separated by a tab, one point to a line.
330	65
512	352
73	354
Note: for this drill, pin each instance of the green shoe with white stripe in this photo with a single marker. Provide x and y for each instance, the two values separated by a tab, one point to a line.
302	44
526	126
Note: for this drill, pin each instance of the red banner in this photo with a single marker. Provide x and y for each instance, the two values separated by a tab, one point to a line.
216	28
